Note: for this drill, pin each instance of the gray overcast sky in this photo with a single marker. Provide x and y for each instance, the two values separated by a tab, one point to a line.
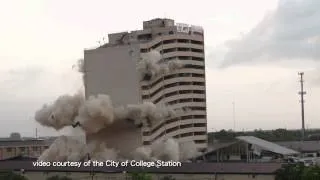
254	49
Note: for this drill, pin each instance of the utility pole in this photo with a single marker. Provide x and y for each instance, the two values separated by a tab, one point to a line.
302	93
233	115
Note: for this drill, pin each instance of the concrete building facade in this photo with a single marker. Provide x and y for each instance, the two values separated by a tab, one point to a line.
111	69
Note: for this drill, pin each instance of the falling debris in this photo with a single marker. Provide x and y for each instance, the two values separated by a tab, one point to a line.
95	114
150	67
61	113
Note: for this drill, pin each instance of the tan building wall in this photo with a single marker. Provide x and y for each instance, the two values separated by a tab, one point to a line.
98	176
112	71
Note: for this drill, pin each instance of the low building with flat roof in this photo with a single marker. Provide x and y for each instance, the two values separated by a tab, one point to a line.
247	149
28	147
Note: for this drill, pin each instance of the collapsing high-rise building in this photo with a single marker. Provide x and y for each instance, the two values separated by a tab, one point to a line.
112	69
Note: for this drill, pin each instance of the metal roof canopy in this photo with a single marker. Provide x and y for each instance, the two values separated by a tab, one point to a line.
266	145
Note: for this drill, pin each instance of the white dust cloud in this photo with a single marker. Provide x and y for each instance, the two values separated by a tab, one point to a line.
61	113
169	149
95	114
64	148
151	67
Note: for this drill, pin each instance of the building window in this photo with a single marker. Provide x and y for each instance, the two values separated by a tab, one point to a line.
172	129
9	149
199	125
186	117
143	50
169	41
198	100
176	136
170	32
183	49
199	91
200	141
199	116
197	50
186	134
199	133
146	143
186	126
196	42
183	40
197	58
192	66
198	83
22	149
172	120
145	133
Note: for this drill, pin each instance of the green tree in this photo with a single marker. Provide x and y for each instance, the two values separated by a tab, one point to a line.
298	172
140	176
167	178
59	178
11	176
290	172
311	173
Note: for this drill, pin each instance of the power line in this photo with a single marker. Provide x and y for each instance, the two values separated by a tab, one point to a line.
302	93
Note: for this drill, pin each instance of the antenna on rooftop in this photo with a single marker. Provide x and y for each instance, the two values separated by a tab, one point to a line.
36	133
234	115
302	93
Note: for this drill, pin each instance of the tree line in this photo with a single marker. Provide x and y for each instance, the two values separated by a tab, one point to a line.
268	135
298	172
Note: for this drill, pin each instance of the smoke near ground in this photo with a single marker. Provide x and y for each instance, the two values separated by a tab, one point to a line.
67	148
96	113
151	67
64	148
169	149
